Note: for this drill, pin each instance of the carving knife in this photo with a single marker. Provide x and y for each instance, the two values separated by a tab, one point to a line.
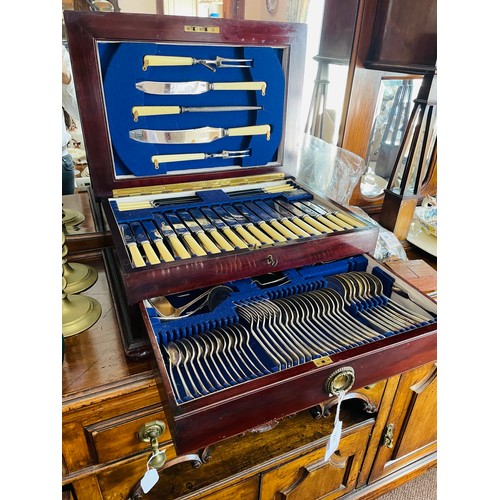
261	223
197	135
220	224
182	230
302	216
131	244
156	238
196	87
236	225
210	229
141	237
195	228
172	238
177	110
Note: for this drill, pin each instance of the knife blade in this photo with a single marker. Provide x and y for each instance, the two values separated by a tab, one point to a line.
247	226
178	110
236	224
258	221
196	87
210	229
181	230
198	135
171	236
220	224
195	228
155	237
303	216
141	237
131	244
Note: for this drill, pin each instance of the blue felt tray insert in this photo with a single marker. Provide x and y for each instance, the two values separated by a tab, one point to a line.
121	67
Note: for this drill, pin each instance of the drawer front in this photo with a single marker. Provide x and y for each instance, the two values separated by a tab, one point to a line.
310	477
117	438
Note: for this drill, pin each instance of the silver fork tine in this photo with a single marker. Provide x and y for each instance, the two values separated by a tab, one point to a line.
223	62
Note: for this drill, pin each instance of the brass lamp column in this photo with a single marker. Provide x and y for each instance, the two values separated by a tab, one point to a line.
418	149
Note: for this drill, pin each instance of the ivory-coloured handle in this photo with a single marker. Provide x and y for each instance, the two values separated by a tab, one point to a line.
248	237
165	254
329	223
194	246
338	221
306	227
272	232
151	60
240	86
349	219
150	253
179	247
252	130
284	231
234	238
259	234
208	243
136	256
154	110
314	223
221	241
297	230
156	159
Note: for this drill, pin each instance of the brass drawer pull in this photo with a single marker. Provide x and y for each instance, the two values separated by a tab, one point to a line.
340	380
150	432
388	439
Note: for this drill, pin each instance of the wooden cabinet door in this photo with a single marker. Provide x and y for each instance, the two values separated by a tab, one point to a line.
309	477
411	428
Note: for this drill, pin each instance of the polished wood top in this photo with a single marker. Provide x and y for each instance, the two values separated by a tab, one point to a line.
94	360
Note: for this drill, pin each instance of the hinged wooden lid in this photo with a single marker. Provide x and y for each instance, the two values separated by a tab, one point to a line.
112	53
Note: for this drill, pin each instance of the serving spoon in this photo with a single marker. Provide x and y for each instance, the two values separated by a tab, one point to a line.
213	297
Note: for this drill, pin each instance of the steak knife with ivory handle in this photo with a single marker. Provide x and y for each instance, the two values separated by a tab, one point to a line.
177	110
156	238
141	237
131	244
196	135
210	229
196	87
172	238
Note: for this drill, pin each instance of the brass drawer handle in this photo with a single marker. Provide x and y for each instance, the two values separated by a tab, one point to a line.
340	380
150	432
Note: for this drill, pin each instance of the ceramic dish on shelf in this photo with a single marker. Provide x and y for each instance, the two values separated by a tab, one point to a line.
420	238
427	216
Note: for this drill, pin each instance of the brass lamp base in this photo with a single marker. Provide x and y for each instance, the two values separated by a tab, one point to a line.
79	313
78	277
71	218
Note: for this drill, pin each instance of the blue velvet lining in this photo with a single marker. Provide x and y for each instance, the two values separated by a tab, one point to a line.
300	280
121	66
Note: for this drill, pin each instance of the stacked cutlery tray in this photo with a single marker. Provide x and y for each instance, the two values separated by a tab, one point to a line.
190	209
273	322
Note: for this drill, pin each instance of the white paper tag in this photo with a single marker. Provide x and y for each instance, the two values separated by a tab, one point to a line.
149	480
333	442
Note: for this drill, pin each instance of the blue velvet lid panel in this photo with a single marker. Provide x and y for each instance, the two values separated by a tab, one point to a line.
122	67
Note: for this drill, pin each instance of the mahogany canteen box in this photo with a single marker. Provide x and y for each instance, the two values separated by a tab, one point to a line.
190	125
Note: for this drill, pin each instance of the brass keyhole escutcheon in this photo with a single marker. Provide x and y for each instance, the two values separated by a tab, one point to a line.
340	380
272	261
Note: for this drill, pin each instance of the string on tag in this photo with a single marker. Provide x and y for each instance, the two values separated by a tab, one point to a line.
333	442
